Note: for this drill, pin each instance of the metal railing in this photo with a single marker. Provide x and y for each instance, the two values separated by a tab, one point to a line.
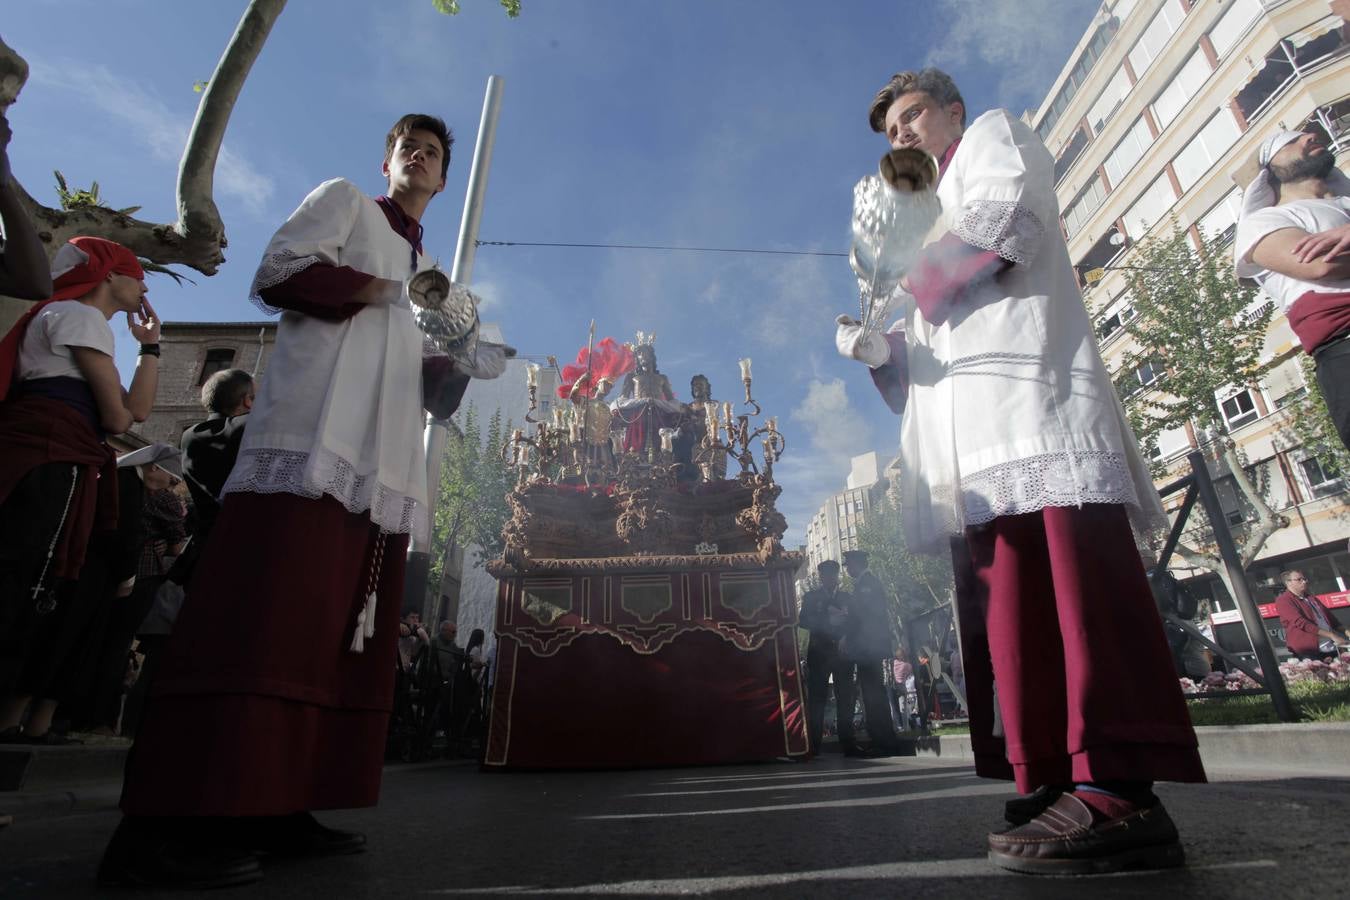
1199	485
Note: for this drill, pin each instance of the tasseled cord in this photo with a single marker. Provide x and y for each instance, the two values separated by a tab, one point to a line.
365	620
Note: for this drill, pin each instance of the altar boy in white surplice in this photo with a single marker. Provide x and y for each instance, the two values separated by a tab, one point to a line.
1014	443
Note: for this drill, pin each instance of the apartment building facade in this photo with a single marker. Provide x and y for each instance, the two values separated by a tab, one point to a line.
1156	117
834	527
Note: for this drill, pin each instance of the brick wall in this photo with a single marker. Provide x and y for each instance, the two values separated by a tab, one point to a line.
184	350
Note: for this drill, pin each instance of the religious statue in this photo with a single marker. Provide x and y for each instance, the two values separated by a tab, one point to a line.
586	383
693	431
646	382
647	403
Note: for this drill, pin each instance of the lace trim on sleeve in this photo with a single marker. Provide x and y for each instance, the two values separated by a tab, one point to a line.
273	270
1007	228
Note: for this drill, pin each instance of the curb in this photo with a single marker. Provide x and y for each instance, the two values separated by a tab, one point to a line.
1317	748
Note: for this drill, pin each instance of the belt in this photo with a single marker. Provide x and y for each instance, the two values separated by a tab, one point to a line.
1331	342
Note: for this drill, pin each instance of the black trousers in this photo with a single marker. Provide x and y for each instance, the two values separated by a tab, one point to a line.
875	706
820	665
1333	376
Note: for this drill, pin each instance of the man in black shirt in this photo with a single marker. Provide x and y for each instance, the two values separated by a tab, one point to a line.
210	447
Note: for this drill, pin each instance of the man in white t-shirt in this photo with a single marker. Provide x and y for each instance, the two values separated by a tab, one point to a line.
1293	238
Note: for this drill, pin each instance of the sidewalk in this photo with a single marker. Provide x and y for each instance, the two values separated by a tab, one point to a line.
1314	748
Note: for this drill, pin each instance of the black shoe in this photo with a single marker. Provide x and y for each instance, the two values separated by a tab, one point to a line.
296	836
148	854
861	753
1021	810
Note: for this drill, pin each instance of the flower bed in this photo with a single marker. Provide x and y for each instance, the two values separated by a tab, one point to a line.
1295	671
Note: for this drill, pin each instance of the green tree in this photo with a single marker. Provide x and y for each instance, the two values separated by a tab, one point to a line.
914	582
1195	326
471	503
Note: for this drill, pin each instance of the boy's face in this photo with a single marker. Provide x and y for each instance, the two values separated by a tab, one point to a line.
415	163
916	120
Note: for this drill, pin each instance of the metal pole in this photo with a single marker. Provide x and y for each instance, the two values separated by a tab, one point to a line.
437	432
1251	616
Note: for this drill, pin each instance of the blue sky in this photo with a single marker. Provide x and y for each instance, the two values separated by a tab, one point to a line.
724	123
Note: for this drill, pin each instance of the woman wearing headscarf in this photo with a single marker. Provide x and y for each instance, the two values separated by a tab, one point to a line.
62	395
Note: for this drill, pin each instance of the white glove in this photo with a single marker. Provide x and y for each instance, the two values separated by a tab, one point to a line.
489	362
849	341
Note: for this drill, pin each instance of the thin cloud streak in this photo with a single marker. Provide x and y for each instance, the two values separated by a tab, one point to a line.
145	118
1010	36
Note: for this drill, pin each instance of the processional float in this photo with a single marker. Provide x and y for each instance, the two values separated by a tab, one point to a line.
646	613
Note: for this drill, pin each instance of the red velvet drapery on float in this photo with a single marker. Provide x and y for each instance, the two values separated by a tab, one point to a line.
656	662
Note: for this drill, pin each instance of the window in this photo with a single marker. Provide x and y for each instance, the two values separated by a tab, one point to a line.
1184	85
1233	24
1084	205
1239	409
1155	37
1323	479
1205	149
1148	373
1122	9
1172	441
216	361
1072	150
1112	96
1151	206
1128	152
1107	248
1285	382
1221	221
1077	74
1118	315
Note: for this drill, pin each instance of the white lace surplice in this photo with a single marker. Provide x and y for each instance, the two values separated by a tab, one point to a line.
339	411
1010	408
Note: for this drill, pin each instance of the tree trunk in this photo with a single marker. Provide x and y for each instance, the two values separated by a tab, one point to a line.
1267	523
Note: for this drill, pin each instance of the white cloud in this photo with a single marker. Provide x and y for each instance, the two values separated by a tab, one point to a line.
836	431
1012	37
144	118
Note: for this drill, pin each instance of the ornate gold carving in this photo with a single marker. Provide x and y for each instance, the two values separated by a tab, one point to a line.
614	564
762	519
547	603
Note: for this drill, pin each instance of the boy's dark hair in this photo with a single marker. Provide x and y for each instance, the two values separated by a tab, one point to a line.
421	122
933	82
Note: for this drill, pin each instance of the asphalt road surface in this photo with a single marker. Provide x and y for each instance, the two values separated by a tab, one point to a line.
830	828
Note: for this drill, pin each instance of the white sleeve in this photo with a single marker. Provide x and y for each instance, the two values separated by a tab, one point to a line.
1251	229
77	325
1006	182
315	233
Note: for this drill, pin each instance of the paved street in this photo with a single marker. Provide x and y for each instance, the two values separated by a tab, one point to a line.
831	828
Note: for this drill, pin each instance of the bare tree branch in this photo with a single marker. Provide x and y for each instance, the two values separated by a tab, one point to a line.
13	74
198	237
198	219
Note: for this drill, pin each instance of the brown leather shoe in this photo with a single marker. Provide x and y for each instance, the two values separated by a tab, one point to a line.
1064	841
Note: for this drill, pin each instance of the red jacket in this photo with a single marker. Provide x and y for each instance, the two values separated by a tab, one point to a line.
1300	622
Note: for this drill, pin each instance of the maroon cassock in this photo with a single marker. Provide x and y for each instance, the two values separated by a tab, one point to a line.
259	707
1055	610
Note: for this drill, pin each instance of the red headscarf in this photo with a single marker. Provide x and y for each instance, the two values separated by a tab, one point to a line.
77	269
80	265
